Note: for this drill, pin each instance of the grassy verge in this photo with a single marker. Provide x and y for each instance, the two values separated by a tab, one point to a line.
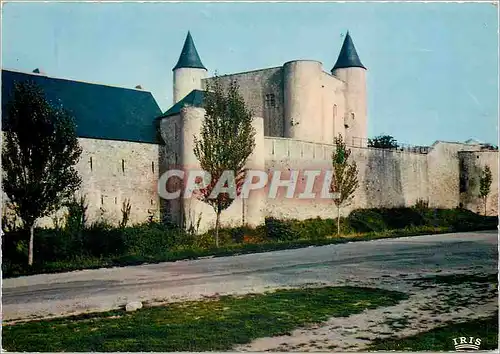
102	245
441	338
193	252
196	326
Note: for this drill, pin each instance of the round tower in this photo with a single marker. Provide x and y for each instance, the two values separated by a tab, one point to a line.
302	99
349	69
189	71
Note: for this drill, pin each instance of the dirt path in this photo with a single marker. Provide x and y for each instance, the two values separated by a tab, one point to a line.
432	305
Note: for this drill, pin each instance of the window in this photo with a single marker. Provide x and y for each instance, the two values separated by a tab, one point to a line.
270	100
123	166
352	115
90	161
334	111
153	166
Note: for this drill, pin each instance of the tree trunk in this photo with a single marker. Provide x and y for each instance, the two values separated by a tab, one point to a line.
217	229
485	200
30	250
338	220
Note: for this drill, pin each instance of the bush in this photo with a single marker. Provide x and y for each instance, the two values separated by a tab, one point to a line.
280	230
315	229
149	239
366	220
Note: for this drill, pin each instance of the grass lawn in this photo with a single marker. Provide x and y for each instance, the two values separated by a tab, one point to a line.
196	326
441	338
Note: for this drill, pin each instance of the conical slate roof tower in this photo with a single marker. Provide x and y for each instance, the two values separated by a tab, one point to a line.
348	57
189	57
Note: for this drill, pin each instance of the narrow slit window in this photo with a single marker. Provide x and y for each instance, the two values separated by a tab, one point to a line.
270	100
153	166
123	166
90	162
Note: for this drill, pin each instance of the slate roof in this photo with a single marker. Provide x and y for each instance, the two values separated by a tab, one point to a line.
189	57
348	57
193	99
100	111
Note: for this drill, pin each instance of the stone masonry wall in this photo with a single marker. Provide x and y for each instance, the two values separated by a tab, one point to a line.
472	165
115	171
386	178
254	87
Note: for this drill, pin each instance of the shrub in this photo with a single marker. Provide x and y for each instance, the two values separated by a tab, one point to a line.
314	229
366	220
101	239
279	230
151	238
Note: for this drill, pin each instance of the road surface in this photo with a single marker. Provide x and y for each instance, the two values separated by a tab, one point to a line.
368	262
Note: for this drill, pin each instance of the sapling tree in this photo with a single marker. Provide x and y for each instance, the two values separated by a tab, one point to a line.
345	177
485	185
40	149
226	140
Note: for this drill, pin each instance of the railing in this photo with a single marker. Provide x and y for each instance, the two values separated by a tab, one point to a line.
364	142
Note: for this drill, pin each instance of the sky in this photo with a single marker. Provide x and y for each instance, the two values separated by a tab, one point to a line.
432	67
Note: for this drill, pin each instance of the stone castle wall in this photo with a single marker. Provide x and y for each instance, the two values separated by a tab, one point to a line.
472	164
255	88
112	172
298	100
387	178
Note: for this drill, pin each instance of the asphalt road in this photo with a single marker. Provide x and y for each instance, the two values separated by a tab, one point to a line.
102	289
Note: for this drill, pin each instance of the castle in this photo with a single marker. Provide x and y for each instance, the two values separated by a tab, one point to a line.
298	109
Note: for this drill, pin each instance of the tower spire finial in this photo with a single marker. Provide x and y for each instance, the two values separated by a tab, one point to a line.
348	56
189	57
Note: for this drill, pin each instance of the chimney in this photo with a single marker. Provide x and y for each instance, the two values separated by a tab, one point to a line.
38	71
139	87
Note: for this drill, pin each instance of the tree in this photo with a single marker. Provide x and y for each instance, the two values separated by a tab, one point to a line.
226	141
485	185
383	142
39	152
345	177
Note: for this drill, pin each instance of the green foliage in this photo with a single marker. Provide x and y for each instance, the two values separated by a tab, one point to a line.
38	156
485	185
485	182
102	245
226	141
366	220
76	216
345	176
280	230
197	326
345	173
440	338
383	142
